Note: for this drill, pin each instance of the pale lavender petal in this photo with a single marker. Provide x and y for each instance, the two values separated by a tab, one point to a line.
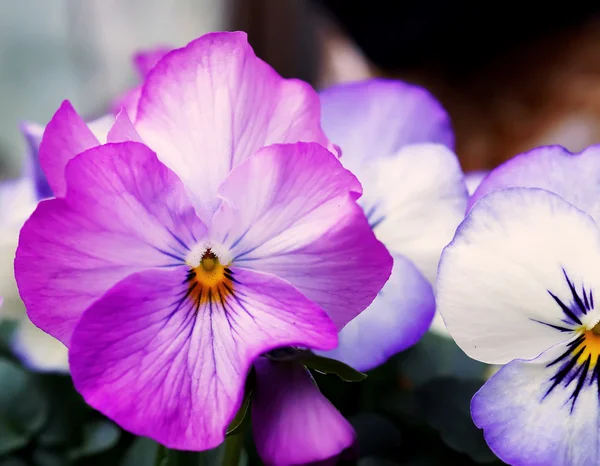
473	179
574	177
165	364
33	137
539	414
290	210
293	423
210	105
377	117
396	320
124	211
66	135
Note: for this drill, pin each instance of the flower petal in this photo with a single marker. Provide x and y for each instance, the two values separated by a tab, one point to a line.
66	136
527	422
514	280
145	60
33	137
417	199
123	130
124	211
574	177
38	350
474	178
293	423
377	117
396	320
210	105
290	210
164	366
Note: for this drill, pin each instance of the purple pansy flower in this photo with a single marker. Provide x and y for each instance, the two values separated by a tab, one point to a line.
397	139
169	267
519	286
18	199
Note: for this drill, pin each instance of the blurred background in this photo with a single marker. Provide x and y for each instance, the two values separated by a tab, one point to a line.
511	79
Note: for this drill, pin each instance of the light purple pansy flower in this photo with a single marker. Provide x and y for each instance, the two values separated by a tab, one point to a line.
518	286
169	267
397	139
18	199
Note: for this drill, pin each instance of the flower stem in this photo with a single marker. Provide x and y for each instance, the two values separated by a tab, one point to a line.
233	449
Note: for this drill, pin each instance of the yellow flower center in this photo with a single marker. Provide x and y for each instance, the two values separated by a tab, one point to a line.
590	344
210	282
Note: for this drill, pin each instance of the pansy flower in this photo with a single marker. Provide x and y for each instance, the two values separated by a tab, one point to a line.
18	199
397	139
519	286
169	266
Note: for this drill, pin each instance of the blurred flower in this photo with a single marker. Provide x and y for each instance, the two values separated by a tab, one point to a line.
18	199
518	286
397	139
192	262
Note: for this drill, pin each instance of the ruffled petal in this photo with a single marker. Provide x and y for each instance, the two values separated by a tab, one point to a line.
124	211
378	117
290	210
293	423
396	320
414	201
210	105
66	136
535	414
171	367
519	276
574	177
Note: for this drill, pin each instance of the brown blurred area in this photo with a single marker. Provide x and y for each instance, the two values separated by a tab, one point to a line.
545	91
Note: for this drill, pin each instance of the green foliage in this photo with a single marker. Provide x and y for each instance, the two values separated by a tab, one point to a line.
411	411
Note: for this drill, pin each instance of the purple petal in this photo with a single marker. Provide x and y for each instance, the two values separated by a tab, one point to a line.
33	137
167	366
145	60
293	423
396	320
123	129
290	210
574	177
65	136
377	117
210	105
124	211
529	420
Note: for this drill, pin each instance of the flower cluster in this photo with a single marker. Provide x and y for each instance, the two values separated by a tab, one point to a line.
223	234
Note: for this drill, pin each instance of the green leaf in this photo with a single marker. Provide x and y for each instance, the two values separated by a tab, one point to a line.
437	356
445	403
46	457
98	436
212	457
241	419
142	452
332	366
23	408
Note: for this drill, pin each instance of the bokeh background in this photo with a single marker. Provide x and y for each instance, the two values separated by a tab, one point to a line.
512	75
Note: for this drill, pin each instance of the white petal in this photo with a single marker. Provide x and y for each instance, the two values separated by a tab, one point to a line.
496	279
417	198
